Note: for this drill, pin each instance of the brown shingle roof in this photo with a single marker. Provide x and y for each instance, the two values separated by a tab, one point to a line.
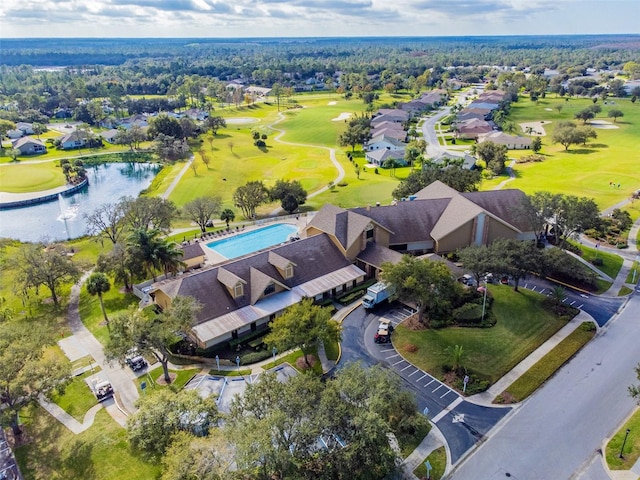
502	204
191	250
376	255
408	221
317	254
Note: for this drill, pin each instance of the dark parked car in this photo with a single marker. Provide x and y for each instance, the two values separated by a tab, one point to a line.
136	363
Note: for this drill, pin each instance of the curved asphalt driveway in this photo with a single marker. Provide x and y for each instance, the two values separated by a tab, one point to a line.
462	423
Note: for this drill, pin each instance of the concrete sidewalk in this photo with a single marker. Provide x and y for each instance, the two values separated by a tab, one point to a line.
487	397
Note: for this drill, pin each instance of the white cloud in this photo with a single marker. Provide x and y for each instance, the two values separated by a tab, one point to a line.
183	18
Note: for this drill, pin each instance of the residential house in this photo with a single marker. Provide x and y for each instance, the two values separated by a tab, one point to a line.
398	133
390	114
109	135
242	296
378	157
27	128
469	113
197	114
482	104
382	142
512	142
15	133
472	128
75	139
259	92
29	146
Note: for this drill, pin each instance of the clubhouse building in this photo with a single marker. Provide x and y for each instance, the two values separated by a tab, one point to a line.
339	249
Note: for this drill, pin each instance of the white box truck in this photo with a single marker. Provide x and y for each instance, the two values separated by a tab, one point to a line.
377	293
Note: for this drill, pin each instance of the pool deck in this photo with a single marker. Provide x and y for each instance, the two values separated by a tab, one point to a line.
214	258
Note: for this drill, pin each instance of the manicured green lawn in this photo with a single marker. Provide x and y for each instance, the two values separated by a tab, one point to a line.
611	263
438	461
522	325
293	357
100	453
633	277
583	170
77	398
332	350
91	313
30	177
631	451
550	363
182	377
229	373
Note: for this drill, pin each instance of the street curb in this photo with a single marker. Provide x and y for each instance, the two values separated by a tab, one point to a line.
605	441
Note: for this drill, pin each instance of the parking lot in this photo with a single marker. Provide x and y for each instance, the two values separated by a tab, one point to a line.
227	387
442	397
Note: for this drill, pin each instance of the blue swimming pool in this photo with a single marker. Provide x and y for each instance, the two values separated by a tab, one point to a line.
253	241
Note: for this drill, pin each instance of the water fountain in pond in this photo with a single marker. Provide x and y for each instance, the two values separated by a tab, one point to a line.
67	213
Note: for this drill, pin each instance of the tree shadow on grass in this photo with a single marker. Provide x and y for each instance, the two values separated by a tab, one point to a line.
580	151
598	145
79	463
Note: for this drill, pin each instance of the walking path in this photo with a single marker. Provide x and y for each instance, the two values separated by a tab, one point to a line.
67	420
332	156
171	187
121	379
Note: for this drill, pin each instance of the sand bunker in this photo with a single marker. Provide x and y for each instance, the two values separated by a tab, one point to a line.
241	120
332	103
537	130
549	109
602	124
342	116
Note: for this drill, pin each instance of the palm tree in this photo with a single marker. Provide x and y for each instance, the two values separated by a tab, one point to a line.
169	255
227	216
456	353
558	294
97	284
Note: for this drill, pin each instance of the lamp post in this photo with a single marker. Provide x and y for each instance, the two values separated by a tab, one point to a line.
484	300
624	441
274	350
238	361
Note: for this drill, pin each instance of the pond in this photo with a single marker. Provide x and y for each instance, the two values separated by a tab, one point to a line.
63	219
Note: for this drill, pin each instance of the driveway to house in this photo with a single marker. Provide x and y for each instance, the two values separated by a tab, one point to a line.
462	423
557	433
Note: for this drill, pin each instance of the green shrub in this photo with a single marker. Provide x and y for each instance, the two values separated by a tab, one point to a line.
343	184
597	262
588	326
255	357
468	313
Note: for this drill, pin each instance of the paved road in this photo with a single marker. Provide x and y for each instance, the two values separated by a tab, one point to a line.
557	433
599	307
462	423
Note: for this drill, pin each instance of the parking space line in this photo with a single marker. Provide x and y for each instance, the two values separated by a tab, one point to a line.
446	393
447	409
533	289
392	356
421	378
398	362
437	388
572	303
432	380
565	299
408	366
414	373
542	291
580	306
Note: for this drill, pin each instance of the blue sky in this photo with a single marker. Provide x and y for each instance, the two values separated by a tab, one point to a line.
300	18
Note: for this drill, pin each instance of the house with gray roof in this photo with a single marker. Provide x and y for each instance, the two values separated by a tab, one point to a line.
29	146
242	296
512	142
384	142
378	157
